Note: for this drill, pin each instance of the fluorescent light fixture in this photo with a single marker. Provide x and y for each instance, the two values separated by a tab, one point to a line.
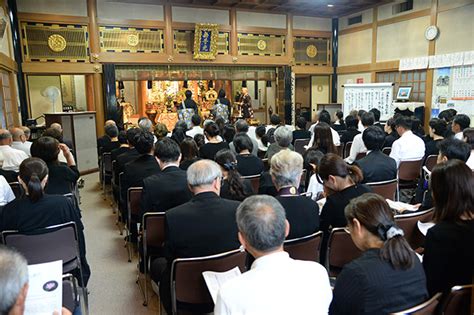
330	5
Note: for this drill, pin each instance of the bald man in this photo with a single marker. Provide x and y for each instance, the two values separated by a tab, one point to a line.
105	139
10	158
19	140
246	104
59	128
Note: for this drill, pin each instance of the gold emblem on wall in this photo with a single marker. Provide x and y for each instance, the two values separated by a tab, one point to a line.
57	43
261	44
133	40
311	51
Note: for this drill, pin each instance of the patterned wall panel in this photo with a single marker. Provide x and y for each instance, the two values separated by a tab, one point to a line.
55	42
261	45
311	51
133	40
184	42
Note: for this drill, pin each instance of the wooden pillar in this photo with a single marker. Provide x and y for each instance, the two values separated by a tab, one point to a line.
374	42
96	77
168	30
289	37
233	33
90	92
430	72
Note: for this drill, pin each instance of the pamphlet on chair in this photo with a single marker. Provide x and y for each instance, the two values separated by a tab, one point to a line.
214	280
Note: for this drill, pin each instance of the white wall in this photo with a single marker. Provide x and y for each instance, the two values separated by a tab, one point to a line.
61	7
367	17
247	18
312	23
355	48
196	15
135	11
454	25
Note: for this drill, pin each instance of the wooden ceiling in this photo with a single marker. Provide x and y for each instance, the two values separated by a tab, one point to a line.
299	7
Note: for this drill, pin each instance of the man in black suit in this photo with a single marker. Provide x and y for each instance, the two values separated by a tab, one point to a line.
377	123
169	188
376	166
205	225
102	141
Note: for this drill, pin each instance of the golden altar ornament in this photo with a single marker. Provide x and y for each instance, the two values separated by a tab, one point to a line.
57	43
311	51
205	41
132	40
261	44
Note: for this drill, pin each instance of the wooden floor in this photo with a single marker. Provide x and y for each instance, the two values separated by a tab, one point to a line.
112	286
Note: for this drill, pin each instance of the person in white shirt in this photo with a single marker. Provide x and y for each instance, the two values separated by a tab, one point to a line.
468	134
358	145
409	146
6	192
324	116
312	157
10	158
275	284
460	122
195	126
19	141
360	126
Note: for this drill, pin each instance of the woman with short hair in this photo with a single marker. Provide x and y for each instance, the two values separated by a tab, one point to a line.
214	142
449	257
283	137
387	277
247	163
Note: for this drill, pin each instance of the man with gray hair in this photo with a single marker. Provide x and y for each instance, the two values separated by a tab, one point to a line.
19	140
302	212
203	226
10	158
242	126
13	282
283	138
276	283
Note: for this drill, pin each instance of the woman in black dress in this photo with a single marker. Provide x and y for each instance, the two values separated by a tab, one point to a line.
214	144
387	277
189	153
233	187
38	210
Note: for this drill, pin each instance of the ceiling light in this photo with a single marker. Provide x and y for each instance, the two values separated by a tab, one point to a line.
330	5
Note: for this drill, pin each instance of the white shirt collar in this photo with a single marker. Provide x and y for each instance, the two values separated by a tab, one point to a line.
270	260
169	165
407	133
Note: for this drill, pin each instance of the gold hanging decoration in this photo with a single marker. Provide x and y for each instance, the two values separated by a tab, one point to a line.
57	43
205	41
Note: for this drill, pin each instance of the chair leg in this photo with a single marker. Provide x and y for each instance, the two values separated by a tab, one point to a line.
128	244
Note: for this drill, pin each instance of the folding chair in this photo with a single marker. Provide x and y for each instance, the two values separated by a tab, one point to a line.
341	250
153	238
340	150
120	219
431	161
458	300
387	189
17	189
57	242
409	224
300	145
387	150
72	198
360	155
70	294
106	169
408	174
254	181
347	149
304	248
303	179
266	164
425	308
187	282
134	195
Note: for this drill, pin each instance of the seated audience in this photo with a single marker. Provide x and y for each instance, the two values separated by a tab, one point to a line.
38	210
56	134
247	163
300	132
160	131
14	280
358	144
241	126
468	134
221	123
448	256
325	117
376	166
448	115
341	184
59	128
391	133
417	127
312	158
145	124
195	126
6	193
19	141
351	129
322	139
189	153
460	122
302	212
129	155
275	122
10	158
214	142
262	139
276	283
408	146
124	147
200	140
203	226
62	178
437	132
361	113
233	186
377	123
168	188
228	133
27	132
388	277
339	124
283	137
178	135
102	141
112	132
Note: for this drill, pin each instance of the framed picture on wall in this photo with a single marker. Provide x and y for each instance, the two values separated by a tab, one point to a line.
404	93
68	90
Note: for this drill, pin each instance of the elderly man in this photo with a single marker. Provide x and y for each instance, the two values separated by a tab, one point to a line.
283	138
59	128
19	141
27	132
246	104
276	283
205	225
242	126
10	158
302	212
14	282
102	141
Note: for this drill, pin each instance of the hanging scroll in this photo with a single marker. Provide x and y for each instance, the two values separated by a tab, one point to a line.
368	96
205	41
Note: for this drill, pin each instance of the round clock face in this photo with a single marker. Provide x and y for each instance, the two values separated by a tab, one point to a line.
431	32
